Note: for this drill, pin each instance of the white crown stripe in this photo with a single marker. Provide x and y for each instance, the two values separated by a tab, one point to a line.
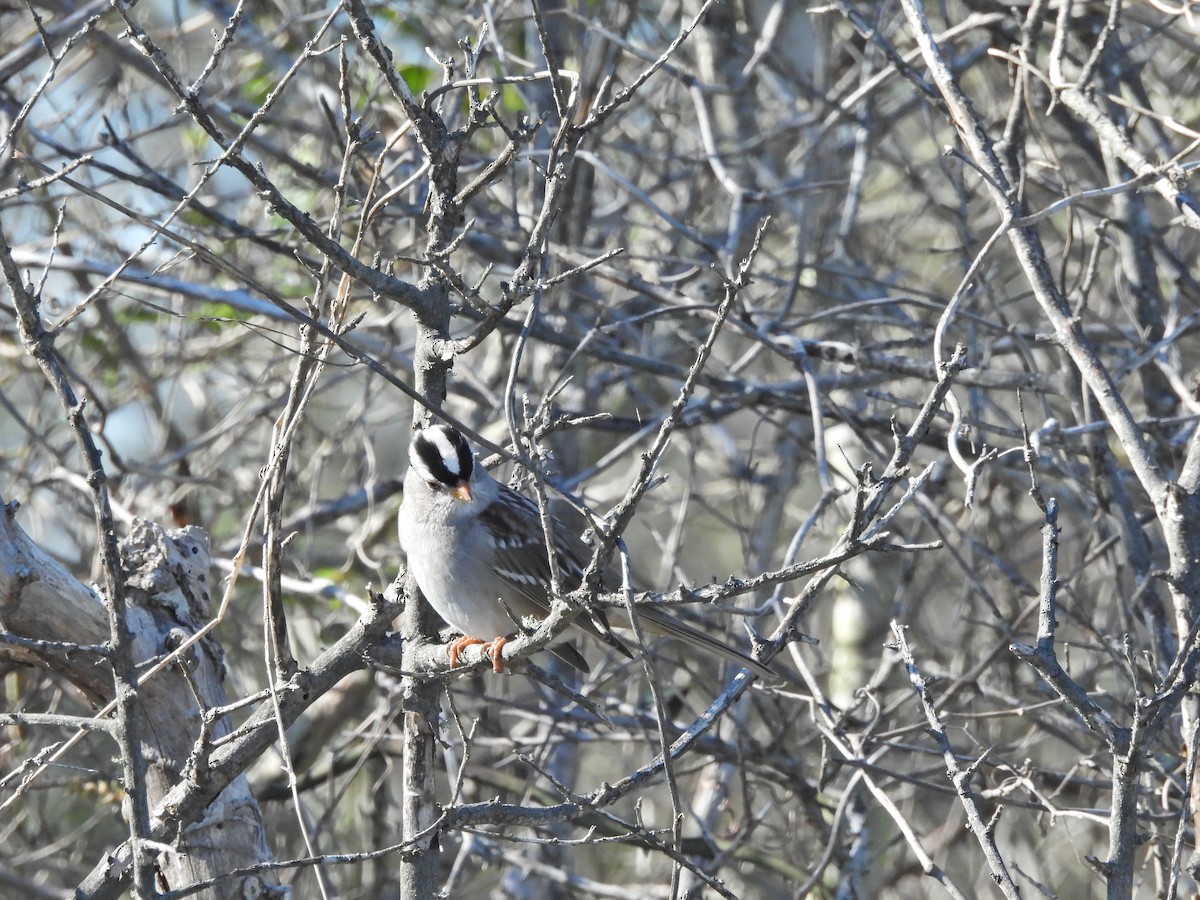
445	447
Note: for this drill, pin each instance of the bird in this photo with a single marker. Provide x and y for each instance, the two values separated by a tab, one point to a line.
477	550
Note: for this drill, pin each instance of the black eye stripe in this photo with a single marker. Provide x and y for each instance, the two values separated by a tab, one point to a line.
466	459
442	456
431	463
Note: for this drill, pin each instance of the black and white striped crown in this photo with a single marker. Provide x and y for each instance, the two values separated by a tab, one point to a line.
441	456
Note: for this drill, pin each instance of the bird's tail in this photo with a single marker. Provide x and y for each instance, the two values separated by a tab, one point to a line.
657	622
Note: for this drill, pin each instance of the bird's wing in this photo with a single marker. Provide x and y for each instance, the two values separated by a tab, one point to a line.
516	528
515	525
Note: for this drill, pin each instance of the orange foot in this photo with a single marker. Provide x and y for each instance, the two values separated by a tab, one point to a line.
458	645
491	649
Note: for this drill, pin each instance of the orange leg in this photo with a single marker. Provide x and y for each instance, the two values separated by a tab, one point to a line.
492	650
458	645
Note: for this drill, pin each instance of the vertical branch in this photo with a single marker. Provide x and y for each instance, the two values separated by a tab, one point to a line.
419	697
1049	580
1127	745
623	512
1043	657
1180	829
984	831
40	345
1031	255
1177	506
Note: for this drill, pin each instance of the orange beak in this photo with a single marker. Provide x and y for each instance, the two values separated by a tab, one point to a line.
461	491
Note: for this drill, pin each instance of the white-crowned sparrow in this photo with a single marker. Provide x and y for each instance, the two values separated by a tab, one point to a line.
478	553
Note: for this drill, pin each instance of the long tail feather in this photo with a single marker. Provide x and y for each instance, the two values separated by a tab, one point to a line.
656	621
